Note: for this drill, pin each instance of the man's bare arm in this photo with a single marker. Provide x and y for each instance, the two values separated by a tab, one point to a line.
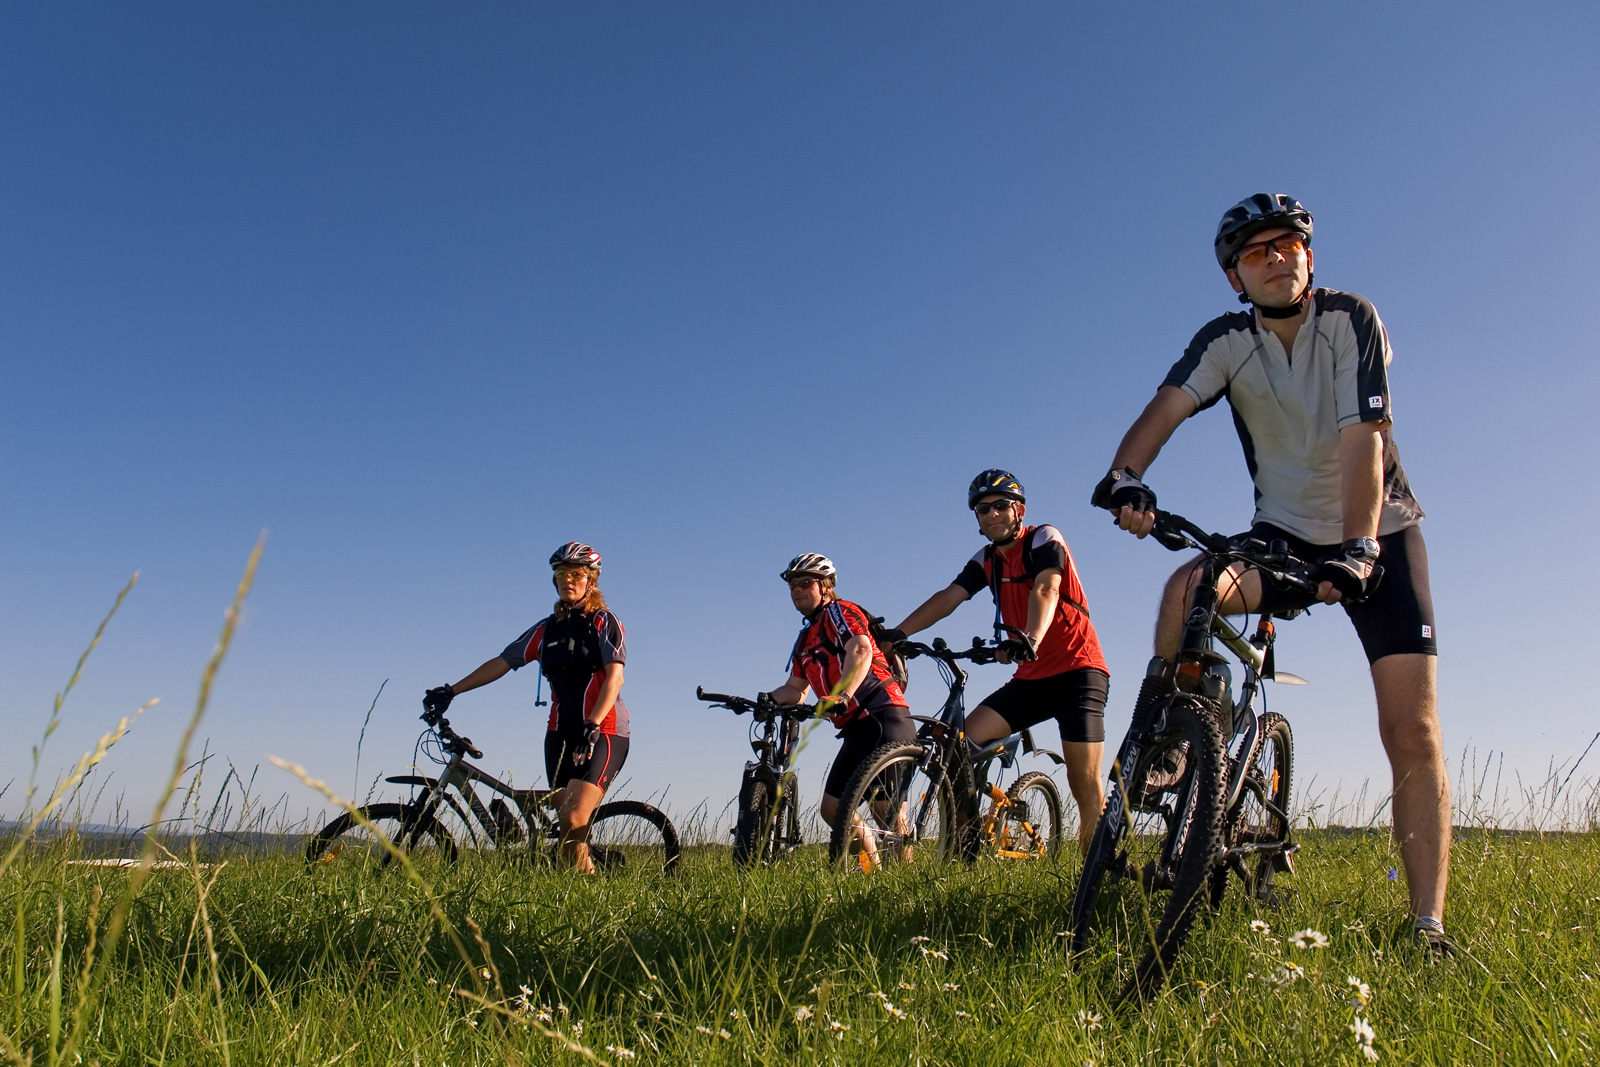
933	609
1143	442
1150	431
1361	477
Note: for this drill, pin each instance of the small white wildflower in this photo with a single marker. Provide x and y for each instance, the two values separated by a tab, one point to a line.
920	940
1363	1031
1309	938
1363	992
907	986
1370	1053
577	1028
879	994
802	1014
837	1027
703	1029
1285	974
724	1035
525	991
621	1053
896	1012
563	1009
986	942
935	953
484	974
949	987
544	1017
1259	927
472	1022
433	981
736	1014
1089	1020
963	1015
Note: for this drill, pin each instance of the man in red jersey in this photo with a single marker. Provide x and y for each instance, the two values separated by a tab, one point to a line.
1061	673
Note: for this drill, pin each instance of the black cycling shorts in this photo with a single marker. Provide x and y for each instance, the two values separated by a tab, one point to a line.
610	752
861	737
1398	618
1076	700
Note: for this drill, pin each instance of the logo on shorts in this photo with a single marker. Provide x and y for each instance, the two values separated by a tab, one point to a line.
1374	401
1427	631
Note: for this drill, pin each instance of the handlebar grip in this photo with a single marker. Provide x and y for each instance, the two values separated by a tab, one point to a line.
714	698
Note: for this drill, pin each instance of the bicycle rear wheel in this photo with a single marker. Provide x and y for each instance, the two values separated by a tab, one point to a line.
632	835
1261	816
1030	828
354	841
892	811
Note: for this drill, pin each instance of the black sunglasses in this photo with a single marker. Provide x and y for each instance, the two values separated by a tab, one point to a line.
995	505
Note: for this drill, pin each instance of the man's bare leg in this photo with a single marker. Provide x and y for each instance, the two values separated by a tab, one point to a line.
1083	778
1408	722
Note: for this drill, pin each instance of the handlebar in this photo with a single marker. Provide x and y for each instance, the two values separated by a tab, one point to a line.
1273	560
940	649
740	705
452	741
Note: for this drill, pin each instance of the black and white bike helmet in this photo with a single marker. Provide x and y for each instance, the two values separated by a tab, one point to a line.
1263	211
809	565
575	554
992	481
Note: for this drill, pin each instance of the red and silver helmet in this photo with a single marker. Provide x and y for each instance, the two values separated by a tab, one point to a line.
1253	214
574	554
809	565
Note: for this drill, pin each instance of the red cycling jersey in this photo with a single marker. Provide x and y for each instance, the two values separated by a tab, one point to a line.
1070	643
818	661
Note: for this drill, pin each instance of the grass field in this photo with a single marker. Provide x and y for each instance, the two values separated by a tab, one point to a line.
258	961
256	958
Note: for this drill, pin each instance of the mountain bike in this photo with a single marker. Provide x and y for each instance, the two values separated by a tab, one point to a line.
922	797
1189	802
444	814
768	826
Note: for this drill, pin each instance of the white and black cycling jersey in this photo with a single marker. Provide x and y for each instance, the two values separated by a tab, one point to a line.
1290	407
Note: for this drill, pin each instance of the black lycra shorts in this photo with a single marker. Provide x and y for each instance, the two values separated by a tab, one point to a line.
1076	700
610	752
863	735
1398	618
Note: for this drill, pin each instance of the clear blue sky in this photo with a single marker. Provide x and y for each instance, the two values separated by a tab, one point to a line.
425	291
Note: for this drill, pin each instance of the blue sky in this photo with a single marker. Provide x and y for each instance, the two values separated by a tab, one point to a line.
425	292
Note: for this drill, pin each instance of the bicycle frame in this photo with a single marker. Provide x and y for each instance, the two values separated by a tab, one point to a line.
459	775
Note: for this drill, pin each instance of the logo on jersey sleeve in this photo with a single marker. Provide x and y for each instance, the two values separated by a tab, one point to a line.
1375	402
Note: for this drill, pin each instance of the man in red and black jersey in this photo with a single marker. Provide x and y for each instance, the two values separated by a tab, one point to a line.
581	650
1061	673
836	657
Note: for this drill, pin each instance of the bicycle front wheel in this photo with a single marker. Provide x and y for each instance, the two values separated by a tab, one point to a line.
892	811
1029	827
753	831
632	835
354	839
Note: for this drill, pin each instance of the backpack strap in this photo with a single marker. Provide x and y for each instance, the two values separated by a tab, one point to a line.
992	558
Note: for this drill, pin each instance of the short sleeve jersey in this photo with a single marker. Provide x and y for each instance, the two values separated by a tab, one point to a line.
818	657
1070	643
574	653
1289	407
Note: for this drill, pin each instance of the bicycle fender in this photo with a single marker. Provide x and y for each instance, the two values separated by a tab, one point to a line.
412	779
1059	759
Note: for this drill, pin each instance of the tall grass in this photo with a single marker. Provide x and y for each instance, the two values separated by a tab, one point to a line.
222	947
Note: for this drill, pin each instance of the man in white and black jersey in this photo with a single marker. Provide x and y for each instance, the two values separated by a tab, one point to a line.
1306	374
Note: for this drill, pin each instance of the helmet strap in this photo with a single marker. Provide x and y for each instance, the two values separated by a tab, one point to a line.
1285	312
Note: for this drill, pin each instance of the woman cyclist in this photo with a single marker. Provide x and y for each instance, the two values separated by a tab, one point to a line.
580	649
836	657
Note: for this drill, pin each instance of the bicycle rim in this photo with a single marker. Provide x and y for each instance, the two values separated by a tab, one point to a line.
629	836
753	831
891	813
352	841
1030	828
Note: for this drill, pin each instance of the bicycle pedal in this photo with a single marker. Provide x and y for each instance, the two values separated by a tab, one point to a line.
1284	861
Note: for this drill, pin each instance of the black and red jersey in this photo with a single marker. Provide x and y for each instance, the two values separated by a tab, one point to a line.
1070	643
818	660
574	652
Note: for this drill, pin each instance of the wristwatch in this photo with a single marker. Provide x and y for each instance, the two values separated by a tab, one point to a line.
1361	548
